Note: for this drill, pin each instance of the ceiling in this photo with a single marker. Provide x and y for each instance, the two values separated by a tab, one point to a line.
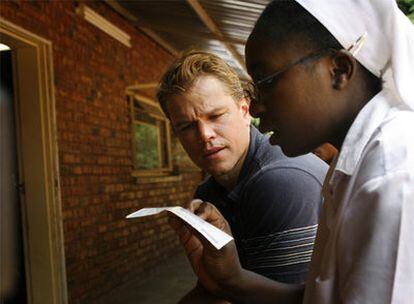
218	26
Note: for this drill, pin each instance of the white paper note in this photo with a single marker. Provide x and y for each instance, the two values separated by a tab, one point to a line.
214	235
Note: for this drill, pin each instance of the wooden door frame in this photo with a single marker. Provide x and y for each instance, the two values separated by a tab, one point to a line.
38	164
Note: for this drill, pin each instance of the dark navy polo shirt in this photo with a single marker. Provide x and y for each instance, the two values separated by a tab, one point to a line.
273	210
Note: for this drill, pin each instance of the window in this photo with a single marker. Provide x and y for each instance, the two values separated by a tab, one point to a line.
150	135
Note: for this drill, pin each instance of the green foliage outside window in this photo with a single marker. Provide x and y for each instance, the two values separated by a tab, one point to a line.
146	139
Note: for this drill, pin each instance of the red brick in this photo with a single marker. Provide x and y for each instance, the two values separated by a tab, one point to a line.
102	248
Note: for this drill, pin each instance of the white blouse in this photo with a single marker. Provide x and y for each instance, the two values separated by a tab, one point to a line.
364	250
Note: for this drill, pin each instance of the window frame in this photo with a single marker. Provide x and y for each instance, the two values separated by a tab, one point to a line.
132	98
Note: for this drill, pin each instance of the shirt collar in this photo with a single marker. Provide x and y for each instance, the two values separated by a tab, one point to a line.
362	129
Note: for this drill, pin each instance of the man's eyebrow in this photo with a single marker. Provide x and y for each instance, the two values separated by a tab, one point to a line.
218	109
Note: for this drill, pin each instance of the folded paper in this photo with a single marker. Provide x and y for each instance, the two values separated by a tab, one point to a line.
214	235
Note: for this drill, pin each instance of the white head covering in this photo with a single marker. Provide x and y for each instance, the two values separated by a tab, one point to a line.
388	49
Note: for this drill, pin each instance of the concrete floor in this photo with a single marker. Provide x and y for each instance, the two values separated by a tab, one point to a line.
171	281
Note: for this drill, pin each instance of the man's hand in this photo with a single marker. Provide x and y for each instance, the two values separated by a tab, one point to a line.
216	269
220	272
209	213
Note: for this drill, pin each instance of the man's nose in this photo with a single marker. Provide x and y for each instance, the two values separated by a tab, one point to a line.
206	131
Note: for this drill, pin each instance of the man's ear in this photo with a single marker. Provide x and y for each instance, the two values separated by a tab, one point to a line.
244	108
342	69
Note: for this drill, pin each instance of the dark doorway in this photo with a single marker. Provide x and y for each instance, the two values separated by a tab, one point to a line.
13	283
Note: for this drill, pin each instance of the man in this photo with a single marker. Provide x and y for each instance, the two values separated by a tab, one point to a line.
271	202
340	72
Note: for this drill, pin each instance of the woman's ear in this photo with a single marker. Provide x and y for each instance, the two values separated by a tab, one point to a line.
342	69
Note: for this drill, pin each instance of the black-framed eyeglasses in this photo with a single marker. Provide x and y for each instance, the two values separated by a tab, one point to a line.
272	79
252	90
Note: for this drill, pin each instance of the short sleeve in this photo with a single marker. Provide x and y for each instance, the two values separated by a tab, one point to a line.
280	223
281	199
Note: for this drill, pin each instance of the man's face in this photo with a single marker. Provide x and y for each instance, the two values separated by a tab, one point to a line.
296	107
212	127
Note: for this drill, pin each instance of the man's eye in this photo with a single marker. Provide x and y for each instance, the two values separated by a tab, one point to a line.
217	116
184	127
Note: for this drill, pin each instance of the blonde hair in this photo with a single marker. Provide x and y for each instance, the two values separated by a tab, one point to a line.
181	75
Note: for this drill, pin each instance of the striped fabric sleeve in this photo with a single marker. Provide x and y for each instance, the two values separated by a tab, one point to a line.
280	256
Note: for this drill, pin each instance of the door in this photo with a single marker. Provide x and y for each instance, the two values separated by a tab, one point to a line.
13	283
31	124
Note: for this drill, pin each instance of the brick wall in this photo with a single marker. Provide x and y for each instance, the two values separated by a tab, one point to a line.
92	70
